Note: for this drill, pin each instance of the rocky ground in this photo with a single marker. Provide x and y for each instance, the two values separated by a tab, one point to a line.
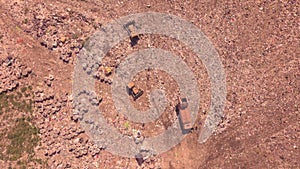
258	44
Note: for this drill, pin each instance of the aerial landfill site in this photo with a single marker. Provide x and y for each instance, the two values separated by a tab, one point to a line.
158	84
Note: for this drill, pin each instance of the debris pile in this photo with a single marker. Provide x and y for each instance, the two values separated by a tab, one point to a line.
47	104
85	100
58	135
82	147
11	70
151	163
104	75
48	80
62	29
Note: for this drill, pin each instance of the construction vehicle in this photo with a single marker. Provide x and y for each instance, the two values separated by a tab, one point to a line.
134	91
184	113
107	71
131	29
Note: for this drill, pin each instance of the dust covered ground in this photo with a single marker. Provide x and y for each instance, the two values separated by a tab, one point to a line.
258	44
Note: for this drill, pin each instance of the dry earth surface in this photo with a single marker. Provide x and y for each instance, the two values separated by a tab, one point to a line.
258	44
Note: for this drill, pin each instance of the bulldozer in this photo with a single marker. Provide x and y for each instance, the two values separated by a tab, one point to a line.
134	91
184	113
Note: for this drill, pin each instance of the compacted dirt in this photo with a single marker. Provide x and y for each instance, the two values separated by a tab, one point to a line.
258	44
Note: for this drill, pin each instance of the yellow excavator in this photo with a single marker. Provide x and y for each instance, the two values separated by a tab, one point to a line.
107	71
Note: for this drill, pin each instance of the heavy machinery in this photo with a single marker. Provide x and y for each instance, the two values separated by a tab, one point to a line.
107	71
184	113
131	28
134	91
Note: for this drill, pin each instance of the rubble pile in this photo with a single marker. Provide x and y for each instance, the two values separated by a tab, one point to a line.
48	80
11	70
81	147
60	29
64	137
47	104
151	163
100	76
70	132
85	100
50	29
59	135
59	164
55	138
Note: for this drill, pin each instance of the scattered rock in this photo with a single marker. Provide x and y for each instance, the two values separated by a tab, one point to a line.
11	72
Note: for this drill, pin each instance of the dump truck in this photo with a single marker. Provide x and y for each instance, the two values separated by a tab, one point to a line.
134	91
184	113
131	29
